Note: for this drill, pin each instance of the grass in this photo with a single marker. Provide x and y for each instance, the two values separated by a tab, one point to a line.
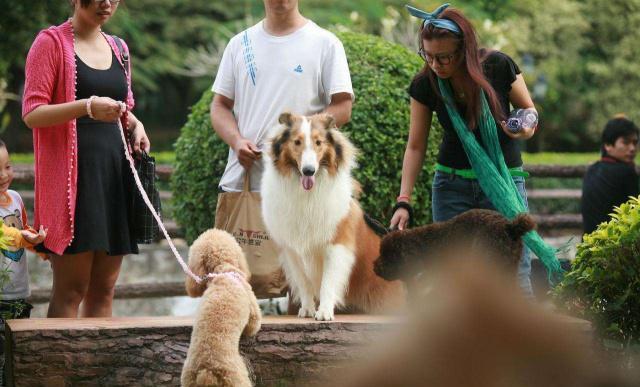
168	157
161	157
560	158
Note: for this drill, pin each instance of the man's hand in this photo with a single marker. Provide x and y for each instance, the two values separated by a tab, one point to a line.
247	152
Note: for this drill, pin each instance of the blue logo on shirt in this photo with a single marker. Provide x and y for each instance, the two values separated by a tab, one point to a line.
13	255
249	58
298	69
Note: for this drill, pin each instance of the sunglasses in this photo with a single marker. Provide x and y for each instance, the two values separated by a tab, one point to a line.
442	59
113	2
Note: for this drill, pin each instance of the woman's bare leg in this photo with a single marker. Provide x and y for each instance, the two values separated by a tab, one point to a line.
104	274
71	276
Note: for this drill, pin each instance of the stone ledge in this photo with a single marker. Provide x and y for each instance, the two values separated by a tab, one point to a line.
150	351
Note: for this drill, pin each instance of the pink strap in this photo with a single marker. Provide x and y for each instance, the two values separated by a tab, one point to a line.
142	192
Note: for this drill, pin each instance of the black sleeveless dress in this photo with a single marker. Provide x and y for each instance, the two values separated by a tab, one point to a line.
103	218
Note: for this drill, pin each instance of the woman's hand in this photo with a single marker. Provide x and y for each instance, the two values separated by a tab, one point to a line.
524	134
139	140
34	238
400	219
105	109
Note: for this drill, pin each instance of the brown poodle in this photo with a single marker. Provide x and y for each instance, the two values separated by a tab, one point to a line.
477	232
228	310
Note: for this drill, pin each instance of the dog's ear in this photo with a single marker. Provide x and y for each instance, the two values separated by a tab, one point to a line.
278	142
286	118
196	265
204	255
340	146
328	120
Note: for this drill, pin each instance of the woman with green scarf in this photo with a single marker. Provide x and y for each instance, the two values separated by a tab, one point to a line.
479	163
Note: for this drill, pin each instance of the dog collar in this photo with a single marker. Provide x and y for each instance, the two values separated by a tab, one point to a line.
234	275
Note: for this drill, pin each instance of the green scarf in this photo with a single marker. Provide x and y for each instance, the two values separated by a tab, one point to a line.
493	175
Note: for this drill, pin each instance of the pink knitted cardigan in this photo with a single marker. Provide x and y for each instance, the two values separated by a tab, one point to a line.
50	78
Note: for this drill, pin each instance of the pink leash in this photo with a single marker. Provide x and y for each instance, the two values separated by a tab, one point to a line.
234	275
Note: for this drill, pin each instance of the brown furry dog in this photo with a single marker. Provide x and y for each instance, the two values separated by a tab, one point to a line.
477	232
228	310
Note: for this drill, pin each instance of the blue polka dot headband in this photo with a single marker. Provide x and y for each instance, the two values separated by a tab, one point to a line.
432	18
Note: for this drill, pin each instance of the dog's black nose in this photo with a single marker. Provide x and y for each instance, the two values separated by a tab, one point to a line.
308	171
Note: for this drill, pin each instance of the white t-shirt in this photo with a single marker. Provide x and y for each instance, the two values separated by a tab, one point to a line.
267	75
14	215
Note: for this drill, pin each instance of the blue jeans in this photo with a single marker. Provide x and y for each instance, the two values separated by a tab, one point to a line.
452	195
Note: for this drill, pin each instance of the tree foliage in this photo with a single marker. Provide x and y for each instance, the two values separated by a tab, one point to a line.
20	21
589	57
586	50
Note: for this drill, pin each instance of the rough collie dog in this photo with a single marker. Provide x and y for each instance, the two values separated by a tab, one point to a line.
309	209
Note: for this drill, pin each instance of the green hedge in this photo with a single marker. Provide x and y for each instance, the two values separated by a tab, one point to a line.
604	282
380	73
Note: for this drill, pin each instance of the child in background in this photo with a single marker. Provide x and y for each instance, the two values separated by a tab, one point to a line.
19	236
14	274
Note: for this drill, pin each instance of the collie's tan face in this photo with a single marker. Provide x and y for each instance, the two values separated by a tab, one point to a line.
307	144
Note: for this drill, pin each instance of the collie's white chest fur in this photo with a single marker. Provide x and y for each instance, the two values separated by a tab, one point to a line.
306	194
304	221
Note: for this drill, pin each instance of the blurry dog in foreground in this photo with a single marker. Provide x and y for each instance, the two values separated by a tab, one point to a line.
473	328
483	233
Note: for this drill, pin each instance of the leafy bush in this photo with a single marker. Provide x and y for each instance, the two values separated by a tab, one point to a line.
201	157
380	72
604	281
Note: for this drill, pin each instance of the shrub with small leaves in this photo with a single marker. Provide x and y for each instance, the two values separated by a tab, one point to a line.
604	282
380	73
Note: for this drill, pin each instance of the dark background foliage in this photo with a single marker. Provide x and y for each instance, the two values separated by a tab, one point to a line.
582	53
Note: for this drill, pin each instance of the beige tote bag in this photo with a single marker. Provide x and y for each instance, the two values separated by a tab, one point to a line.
240	214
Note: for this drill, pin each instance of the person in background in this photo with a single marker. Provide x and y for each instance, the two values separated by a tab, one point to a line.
610	181
76	90
449	47
284	63
17	235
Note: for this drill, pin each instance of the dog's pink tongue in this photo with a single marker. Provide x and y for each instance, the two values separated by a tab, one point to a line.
307	182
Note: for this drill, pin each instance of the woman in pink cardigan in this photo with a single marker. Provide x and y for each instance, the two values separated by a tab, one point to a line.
76	90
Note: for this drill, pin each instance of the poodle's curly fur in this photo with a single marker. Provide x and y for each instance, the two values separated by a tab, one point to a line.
478	233
228	310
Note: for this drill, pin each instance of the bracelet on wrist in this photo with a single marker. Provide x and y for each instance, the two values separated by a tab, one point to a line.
407	207
403	198
89	100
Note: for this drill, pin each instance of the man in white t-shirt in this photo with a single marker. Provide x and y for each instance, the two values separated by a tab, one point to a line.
283	63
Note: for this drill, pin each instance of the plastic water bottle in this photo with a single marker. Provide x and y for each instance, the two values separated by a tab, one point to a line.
522	118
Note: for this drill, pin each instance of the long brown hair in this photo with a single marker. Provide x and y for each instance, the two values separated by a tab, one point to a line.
474	79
